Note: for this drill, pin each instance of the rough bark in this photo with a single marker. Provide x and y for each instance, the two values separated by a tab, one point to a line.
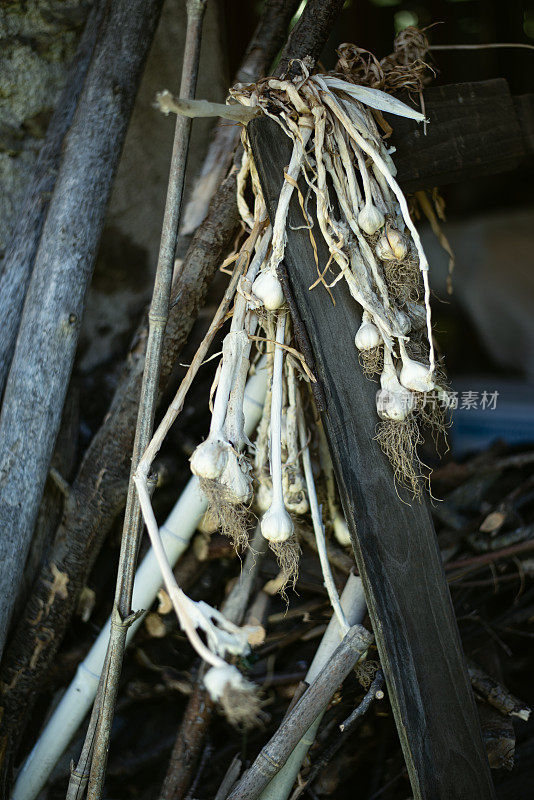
21	251
38	40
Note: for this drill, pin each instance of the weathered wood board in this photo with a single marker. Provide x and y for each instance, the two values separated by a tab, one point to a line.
474	129
393	538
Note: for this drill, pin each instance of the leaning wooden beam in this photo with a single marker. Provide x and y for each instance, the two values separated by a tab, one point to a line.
20	254
50	323
393	537
475	129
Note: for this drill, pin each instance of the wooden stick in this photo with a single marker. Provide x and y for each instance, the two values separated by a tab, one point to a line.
393	537
20	254
276	752
309	35
50	323
157	317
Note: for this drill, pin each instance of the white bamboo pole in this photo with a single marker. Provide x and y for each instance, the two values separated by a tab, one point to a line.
176	534
354	608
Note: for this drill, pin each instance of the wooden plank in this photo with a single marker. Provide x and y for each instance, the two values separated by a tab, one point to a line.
474	129
394	540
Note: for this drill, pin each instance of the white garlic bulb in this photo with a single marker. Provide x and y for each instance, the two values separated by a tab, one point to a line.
217	679
295	497
393	401
367	336
370	219
209	458
263	496
236	478
416	376
391	245
268	289
276	524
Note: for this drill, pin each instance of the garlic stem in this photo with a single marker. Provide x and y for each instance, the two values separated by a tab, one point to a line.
382	166
293	482
244	211
276	523
293	170
276	412
351	219
319	528
180	601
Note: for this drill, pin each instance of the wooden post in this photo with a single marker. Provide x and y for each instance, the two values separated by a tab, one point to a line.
393	538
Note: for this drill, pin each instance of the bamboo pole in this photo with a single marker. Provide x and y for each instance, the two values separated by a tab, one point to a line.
122	615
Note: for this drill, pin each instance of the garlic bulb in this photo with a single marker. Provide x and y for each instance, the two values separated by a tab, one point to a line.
209	459
370	219
414	375
393	401
263	496
217	679
391	246
276	524
295	498
341	531
237	479
403	321
367	336
268	289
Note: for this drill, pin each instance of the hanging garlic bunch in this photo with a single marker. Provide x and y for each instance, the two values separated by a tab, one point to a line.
373	241
339	154
373	246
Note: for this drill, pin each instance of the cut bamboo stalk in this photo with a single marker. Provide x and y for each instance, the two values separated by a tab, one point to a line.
157	321
393	536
